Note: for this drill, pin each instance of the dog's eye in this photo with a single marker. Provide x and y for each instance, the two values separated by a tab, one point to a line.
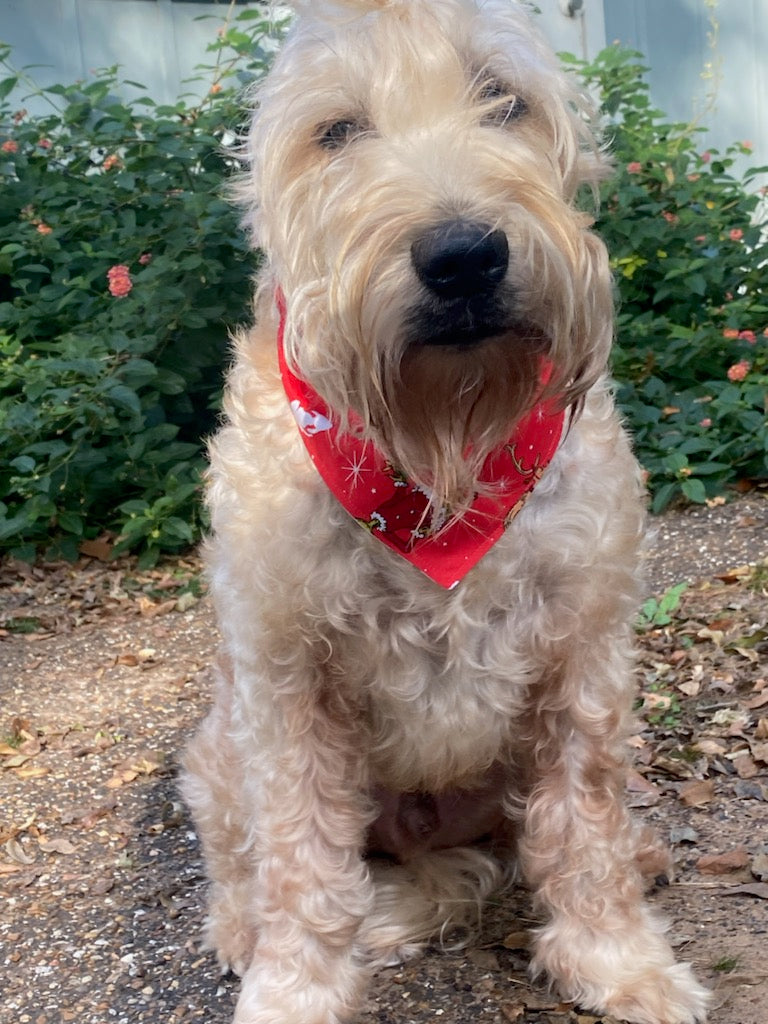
502	105
336	134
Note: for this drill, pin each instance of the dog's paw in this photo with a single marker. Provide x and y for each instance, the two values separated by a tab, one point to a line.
321	988
670	995
631	975
228	931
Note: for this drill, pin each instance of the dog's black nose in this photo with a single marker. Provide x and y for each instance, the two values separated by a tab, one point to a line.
460	258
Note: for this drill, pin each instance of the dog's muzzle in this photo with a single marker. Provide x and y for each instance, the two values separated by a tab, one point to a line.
461	265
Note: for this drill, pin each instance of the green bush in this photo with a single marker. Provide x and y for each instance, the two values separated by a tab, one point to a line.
688	249
122	269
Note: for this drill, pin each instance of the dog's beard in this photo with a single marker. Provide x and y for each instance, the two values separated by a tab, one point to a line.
444	409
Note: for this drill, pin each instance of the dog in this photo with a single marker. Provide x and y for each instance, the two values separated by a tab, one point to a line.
425	527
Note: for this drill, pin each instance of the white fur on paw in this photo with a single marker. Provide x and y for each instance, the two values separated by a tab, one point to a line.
631	975
233	946
669	996
294	993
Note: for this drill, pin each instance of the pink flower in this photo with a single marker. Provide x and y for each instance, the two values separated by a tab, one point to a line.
119	278
670	218
700	238
10	146
44	229
739	370
730	332
746	144
634	167
735	234
110	162
748	336
145	258
44	143
706	422
705	157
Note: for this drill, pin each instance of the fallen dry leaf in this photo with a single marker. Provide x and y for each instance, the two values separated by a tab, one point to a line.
723	863
513	1012
101	548
62	846
710	747
759	889
673	766
745	766
735	720
15	760
16	853
642	792
150	609
715	635
127	659
691	688
697	792
35	771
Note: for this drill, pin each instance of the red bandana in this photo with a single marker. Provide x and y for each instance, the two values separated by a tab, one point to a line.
395	510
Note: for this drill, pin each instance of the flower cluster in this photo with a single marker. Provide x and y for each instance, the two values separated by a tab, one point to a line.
119	278
734	334
739	370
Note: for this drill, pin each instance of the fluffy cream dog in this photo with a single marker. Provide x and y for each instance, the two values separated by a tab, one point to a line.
425	528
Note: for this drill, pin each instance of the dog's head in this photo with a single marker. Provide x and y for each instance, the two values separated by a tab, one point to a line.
413	171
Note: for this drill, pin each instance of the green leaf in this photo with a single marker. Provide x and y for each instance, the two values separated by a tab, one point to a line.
694	490
23	463
125	397
7	85
71	522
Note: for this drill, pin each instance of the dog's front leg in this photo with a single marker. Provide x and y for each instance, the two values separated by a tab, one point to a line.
308	786
600	943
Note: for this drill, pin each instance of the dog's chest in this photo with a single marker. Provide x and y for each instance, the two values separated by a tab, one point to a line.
442	694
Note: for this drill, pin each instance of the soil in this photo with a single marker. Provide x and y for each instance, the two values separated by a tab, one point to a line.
105	675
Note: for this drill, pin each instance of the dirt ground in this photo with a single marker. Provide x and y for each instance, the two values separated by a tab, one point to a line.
104	674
